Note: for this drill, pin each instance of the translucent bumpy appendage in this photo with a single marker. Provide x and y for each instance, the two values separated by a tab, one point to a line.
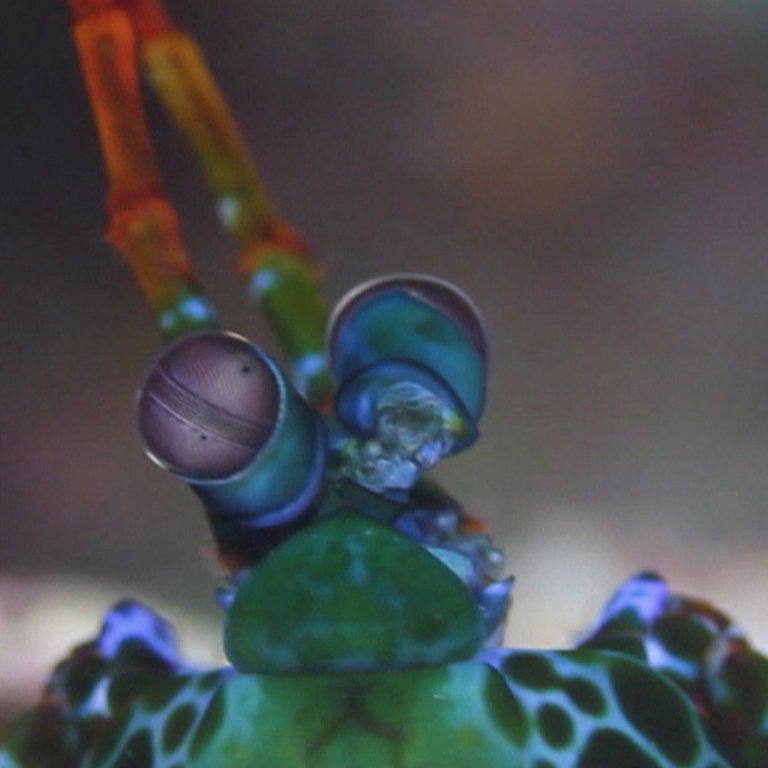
412	431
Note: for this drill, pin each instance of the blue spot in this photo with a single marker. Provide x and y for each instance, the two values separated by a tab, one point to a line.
262	281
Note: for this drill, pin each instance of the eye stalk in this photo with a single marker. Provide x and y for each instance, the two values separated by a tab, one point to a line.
217	411
409	354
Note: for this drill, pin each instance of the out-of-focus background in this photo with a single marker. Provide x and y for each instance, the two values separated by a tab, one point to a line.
593	173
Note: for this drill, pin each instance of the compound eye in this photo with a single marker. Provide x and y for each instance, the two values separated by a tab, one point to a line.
453	303
441	295
409	352
208	406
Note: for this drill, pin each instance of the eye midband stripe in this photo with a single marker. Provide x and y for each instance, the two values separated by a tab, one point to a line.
194	410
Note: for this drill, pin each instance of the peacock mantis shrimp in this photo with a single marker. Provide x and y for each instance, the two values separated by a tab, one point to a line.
364	607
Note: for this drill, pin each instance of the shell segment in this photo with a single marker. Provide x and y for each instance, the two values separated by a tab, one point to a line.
353	595
602	709
452	716
702	651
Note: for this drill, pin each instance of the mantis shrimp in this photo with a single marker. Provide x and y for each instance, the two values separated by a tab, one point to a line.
364	607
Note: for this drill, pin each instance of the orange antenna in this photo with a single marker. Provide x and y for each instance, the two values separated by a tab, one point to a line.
111	36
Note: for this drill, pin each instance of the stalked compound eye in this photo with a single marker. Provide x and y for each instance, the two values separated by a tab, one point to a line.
440	294
208	406
216	410
409	354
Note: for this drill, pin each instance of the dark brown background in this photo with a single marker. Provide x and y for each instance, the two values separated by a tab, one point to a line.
593	173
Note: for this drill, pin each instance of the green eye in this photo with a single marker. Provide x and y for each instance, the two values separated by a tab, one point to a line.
406	330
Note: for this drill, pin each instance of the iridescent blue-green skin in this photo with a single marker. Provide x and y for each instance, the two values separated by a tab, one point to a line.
364	631
387	335
314	685
702	651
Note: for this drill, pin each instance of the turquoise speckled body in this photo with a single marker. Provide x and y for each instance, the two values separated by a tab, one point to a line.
363	610
452	716
363	613
318	698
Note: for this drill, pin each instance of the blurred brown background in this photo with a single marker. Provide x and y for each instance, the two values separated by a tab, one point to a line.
593	173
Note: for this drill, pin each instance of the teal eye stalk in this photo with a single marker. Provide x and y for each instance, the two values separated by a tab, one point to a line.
218	412
409	355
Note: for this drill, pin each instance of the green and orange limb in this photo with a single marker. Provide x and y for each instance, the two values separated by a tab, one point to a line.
110	35
142	223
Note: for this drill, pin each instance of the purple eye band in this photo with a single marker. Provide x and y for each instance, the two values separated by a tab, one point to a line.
173	397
